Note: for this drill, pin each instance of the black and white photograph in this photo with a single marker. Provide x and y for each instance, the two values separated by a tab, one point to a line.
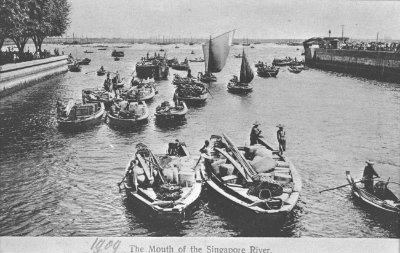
225	126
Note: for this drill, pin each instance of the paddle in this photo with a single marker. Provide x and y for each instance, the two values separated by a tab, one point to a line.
338	187
90	72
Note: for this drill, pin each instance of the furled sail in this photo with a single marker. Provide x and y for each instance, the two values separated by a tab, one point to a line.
215	55
246	73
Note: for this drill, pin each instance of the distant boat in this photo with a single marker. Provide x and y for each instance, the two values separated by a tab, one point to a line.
176	46
116	53
116	58
85	61
216	52
75	67
246	44
88	52
238	56
246	76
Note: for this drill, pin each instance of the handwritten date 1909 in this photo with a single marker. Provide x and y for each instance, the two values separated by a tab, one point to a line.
101	245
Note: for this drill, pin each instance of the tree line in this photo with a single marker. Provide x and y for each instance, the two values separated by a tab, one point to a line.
21	20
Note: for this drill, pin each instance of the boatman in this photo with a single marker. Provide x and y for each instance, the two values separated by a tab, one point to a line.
281	136
368	176
189	73
255	133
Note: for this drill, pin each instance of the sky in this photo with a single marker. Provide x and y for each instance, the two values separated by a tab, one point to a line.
263	19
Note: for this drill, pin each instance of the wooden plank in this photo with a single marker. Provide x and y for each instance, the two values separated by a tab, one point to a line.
236	164
145	167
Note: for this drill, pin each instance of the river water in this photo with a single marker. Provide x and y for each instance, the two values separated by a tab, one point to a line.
57	183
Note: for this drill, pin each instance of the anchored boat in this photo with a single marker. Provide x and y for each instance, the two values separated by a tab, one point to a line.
191	93
166	112
76	116
383	198
246	76
125	114
165	187
255	181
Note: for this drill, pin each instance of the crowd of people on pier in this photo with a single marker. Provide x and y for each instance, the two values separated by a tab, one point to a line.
12	56
372	46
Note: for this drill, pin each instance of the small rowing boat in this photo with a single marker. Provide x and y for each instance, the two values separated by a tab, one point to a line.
182	80
125	114
294	69
84	61
75	67
165	112
77	116
267	71
116	53
255	181
141	92
165	187
383	199
101	72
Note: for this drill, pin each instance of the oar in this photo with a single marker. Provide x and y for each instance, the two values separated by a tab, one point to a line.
90	72
338	187
119	184
209	92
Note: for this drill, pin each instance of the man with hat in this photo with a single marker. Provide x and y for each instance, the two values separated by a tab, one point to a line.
281	136
368	176
255	133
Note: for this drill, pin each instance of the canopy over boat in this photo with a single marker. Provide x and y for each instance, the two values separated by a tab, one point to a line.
246	73
216	51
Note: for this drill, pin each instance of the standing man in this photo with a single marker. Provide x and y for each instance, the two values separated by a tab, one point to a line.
368	175
281	136
255	133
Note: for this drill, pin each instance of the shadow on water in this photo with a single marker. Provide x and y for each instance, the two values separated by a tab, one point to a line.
248	226
378	218
139	216
167	125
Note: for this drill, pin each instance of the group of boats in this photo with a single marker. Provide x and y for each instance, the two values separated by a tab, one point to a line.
254	181
153	67
75	64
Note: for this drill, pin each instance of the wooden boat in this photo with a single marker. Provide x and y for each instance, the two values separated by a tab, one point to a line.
295	70
238	56
282	62
207	77
182	80
102	49
135	114
172	61
216	52
116	53
166	112
75	67
385	202
76	116
197	60
88	52
84	61
144	92
181	66
192	52
246	76
267	71
101	72
238	182
95	95
117	58
152	189
191	93
156	68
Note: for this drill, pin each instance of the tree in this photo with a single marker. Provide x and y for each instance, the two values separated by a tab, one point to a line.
47	18
13	22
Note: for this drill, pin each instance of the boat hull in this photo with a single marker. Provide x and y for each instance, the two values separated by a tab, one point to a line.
267	73
369	199
239	89
82	124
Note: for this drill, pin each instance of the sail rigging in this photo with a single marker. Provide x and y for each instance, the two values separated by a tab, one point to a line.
216	52
246	73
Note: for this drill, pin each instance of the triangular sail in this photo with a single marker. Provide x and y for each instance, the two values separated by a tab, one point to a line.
216	55
246	73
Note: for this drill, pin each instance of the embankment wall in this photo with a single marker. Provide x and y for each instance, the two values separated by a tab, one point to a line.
14	77
381	65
